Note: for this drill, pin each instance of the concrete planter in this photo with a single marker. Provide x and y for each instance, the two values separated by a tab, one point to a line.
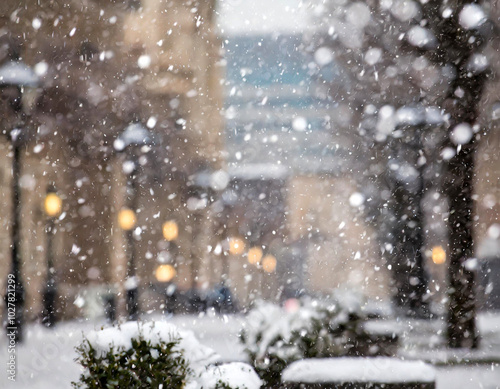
358	373
360	385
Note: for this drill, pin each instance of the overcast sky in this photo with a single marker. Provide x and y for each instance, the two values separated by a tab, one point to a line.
261	16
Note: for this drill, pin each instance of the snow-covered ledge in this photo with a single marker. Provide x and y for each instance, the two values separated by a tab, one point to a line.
364	372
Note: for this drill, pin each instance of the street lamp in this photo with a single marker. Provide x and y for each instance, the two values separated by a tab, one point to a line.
18	80
236	246
232	246
127	221
438	255
165	273
52	208
134	135
170	230
269	263
254	255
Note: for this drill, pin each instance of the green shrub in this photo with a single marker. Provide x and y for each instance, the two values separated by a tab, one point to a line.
145	365
274	337
156	355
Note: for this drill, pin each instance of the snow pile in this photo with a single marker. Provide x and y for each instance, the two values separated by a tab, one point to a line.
380	369
233	375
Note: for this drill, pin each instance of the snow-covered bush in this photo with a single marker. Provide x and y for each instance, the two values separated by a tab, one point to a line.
155	355
235	375
274	337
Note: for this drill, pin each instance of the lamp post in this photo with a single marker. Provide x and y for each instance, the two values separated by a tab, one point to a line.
269	263
254	255
164	275
127	221
170	230
52	208
17	80
135	134
166	272
236	247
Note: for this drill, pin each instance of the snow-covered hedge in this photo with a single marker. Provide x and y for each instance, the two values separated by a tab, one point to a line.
156	355
380	370
274	337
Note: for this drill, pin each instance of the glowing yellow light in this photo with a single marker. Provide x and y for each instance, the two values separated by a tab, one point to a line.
438	255
126	219
165	273
269	263
254	255
52	204
170	230
236	246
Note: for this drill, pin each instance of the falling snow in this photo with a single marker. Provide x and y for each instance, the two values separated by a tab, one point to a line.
174	166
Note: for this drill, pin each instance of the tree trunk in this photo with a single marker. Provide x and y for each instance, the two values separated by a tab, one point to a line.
461	329
409	273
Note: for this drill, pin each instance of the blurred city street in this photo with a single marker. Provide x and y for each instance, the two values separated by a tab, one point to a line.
290	180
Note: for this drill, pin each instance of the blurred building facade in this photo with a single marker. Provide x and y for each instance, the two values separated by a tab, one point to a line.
280	123
279	117
286	189
104	65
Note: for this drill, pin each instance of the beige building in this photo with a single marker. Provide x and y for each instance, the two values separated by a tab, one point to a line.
103	66
341	248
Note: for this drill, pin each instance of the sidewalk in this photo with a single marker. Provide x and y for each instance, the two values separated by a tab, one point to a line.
46	358
425	340
458	368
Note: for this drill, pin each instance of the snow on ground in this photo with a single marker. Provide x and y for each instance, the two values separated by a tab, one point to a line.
46	358
421	339
218	332
234	374
468	377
